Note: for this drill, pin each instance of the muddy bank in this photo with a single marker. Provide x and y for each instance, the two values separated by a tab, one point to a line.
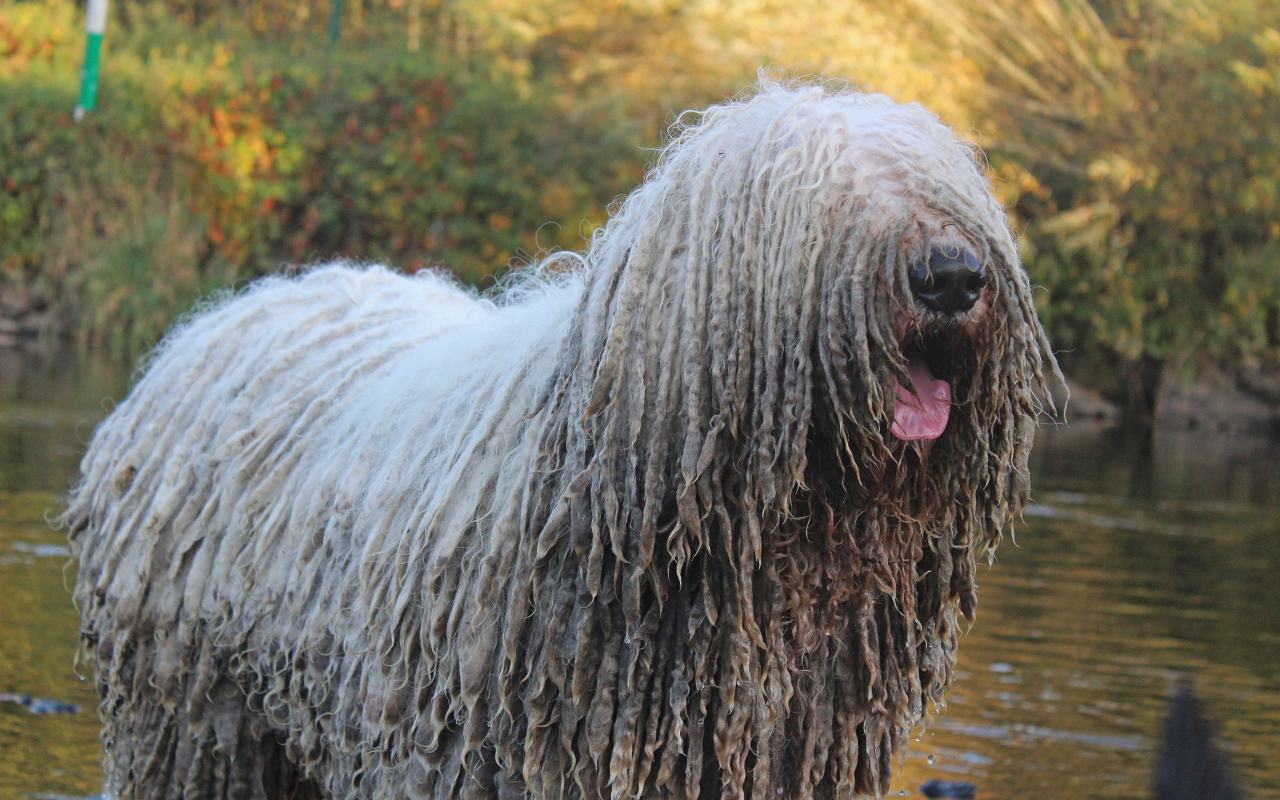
24	318
1247	405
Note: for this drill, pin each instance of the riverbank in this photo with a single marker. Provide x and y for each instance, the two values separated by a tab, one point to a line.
230	139
1213	402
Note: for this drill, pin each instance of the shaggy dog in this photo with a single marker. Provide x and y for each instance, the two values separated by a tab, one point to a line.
692	514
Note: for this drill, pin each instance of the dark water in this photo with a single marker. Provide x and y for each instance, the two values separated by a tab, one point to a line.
47	410
1131	568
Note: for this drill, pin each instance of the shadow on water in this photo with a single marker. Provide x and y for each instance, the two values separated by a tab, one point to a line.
1132	567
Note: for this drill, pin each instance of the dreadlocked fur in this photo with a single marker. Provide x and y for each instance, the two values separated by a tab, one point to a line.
632	529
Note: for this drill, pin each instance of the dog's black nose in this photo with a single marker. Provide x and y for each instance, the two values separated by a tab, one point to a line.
951	281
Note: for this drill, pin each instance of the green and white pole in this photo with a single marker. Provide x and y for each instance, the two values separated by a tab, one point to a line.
335	17
95	26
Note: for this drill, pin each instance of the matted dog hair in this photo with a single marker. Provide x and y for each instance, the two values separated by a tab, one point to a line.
636	528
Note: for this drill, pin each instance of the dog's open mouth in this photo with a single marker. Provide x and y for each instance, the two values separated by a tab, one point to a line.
921	410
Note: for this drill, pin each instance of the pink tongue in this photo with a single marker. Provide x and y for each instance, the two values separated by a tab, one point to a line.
921	412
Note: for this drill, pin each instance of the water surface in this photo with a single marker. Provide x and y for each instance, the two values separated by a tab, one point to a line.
47	409
1134	565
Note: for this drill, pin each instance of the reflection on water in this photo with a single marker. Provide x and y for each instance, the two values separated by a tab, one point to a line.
47	409
1134	565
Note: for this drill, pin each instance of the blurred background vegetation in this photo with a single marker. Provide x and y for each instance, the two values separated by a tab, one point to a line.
1137	143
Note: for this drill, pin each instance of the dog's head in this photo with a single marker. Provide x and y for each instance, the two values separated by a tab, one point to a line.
928	330
827	278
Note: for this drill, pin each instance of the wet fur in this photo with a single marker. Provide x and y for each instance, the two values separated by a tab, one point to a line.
634	527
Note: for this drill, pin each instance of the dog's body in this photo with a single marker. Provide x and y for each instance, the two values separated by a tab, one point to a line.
681	523
351	362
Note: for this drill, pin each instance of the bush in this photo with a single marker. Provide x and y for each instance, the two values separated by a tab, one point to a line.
209	162
1135	143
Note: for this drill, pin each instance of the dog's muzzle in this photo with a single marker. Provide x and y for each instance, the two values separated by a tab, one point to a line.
950	281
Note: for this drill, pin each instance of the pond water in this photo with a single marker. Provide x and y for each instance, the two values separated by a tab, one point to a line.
1134	566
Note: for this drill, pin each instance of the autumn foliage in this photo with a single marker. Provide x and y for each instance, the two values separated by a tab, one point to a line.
1135	141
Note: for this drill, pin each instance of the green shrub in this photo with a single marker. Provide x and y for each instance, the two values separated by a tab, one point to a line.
1135	142
208	162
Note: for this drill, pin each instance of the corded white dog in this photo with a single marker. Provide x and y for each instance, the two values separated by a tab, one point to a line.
693	514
